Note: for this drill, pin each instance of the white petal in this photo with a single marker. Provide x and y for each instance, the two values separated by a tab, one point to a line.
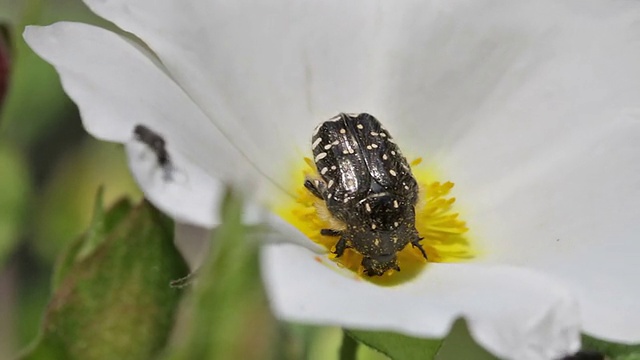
281	231
116	86
543	146
265	72
513	312
192	196
573	213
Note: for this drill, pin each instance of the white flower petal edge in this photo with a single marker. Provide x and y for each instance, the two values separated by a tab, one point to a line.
190	195
193	242
116	86
536	321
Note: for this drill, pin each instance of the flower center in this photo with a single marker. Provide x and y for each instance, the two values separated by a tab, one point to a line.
436	221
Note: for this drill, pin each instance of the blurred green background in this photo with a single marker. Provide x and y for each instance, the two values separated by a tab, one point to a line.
49	173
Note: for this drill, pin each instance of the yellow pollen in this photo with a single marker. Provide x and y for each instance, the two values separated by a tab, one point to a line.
436	221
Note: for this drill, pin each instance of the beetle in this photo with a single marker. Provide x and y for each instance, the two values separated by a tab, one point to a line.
158	145
367	185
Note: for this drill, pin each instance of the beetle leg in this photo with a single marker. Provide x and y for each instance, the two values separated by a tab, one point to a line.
341	246
330	232
314	188
416	243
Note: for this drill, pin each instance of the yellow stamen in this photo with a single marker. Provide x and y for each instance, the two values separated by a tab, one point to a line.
442	229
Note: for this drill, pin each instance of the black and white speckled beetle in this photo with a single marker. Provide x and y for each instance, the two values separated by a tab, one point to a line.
367	185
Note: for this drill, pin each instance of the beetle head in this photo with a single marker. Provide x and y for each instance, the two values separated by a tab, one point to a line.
380	264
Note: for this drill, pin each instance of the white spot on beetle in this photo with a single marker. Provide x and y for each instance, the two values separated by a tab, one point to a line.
345	151
343	131
395	204
374	146
373	133
373	226
393	153
367	207
396	224
383	134
327	147
333	167
324	170
369	147
330	184
359	126
316	142
384	157
321	156
393	173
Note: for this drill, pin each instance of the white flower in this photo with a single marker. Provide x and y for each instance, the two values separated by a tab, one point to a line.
531	108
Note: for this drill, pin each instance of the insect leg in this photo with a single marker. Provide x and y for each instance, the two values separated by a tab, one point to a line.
313	188
330	232
341	246
416	243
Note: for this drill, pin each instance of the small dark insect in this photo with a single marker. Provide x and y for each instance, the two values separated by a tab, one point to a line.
157	144
367	184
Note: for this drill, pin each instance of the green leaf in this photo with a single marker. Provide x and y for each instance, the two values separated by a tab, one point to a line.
227	308
113	299
614	351
348	348
397	346
457	345
460	345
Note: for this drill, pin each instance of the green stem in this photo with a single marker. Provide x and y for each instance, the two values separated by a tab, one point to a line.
349	347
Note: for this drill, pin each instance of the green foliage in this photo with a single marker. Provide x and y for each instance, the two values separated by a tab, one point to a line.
613	351
397	346
226	315
460	345
112	298
102	224
457	345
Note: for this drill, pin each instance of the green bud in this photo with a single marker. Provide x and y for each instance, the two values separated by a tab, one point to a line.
112	298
